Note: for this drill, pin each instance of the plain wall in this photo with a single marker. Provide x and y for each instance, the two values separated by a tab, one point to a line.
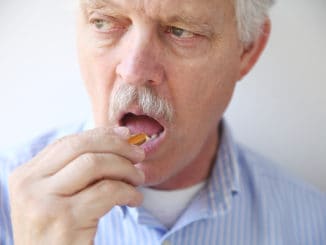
277	110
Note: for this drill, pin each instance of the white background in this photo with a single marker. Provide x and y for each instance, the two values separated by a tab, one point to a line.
278	110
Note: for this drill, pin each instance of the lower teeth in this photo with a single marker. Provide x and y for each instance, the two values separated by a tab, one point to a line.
154	136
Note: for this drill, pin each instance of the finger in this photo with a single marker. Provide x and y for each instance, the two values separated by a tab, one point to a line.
100	140
92	167
100	198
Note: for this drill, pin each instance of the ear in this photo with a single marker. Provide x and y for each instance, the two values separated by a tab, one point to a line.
251	52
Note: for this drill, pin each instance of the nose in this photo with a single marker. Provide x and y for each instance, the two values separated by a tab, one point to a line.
140	63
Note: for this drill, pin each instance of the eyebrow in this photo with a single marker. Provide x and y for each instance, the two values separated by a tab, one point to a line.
200	25
88	6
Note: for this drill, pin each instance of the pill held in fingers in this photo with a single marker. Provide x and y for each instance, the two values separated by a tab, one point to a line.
141	138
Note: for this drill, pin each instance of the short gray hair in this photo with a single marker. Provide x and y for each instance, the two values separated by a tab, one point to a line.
250	15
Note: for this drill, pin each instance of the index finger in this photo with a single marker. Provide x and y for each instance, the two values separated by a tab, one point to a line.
99	140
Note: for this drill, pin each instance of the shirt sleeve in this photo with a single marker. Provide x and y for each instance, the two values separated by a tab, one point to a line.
6	237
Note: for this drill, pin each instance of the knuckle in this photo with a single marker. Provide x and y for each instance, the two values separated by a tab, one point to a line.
104	134
61	140
102	131
71	142
17	181
64	215
89	158
120	193
108	187
35	206
38	213
90	161
47	211
36	209
95	134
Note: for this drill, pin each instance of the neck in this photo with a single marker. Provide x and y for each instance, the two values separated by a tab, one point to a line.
199	169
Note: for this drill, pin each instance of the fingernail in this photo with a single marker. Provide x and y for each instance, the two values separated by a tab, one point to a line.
121	131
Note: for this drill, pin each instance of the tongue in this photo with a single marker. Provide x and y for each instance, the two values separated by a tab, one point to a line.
142	124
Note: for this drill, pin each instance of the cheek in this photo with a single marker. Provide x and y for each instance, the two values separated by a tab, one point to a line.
202	93
95	63
97	71
204	87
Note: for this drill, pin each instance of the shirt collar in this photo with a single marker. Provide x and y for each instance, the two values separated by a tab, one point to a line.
224	181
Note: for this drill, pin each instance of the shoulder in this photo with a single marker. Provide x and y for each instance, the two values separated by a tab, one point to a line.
292	203
270	174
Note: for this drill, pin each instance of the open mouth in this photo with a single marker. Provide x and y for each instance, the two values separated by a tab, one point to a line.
142	124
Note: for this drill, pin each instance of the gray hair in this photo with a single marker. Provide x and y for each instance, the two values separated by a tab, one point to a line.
250	15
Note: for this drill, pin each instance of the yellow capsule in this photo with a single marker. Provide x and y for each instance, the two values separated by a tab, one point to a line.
138	139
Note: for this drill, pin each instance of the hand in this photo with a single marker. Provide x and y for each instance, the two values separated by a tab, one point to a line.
60	195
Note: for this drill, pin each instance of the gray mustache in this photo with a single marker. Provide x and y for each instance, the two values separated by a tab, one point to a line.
145	97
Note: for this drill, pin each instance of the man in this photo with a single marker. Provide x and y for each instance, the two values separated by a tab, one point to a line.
167	69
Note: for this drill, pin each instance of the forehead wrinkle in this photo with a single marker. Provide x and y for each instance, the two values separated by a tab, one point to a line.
171	11
206	20
99	3
139	4
188	20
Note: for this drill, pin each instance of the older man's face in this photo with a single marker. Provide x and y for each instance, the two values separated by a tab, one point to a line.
185	52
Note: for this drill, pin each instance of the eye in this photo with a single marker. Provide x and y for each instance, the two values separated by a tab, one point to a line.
102	25
179	32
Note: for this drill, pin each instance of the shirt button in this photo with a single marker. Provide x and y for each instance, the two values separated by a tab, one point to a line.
166	242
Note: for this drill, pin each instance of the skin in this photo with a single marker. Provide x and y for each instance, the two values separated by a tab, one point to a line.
196	71
59	196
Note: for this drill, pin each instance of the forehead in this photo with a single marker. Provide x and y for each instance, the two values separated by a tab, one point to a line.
162	8
143	3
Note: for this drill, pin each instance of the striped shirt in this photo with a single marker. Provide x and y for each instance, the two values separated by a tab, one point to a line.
247	201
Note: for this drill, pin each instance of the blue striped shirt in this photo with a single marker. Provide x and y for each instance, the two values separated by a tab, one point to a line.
246	201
